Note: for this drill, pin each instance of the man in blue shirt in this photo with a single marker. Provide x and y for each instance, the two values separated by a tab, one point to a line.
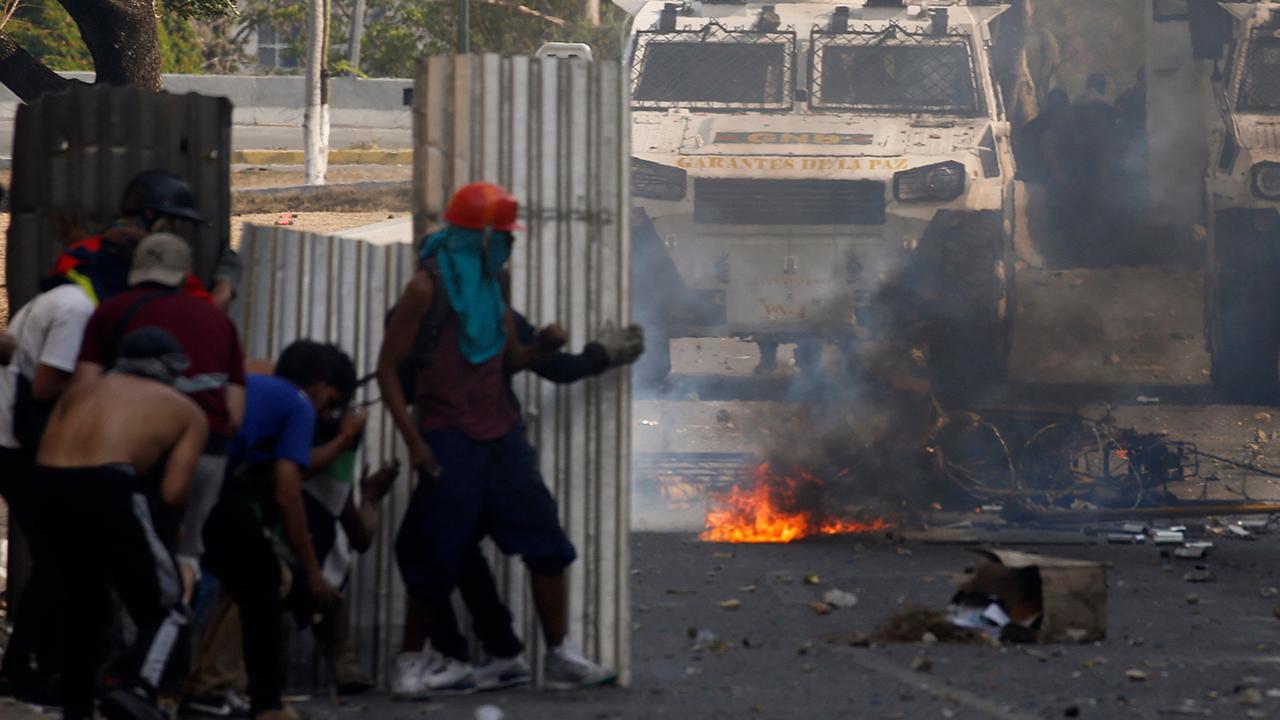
266	462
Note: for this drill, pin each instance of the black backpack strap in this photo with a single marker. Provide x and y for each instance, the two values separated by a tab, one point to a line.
424	344
117	333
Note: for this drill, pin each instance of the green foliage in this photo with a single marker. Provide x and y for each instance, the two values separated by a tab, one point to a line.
180	47
46	31
202	9
398	33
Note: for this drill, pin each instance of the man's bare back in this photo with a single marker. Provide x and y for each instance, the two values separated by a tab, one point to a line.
121	418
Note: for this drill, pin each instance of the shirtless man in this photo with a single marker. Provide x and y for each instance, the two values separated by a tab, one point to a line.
106	440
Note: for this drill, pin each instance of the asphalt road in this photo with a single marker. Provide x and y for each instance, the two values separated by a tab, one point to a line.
777	658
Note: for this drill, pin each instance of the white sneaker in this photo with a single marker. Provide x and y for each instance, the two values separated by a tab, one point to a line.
501	673
567	669
409	677
447	676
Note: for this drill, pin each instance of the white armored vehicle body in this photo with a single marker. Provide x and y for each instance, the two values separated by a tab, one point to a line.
802	165
1214	135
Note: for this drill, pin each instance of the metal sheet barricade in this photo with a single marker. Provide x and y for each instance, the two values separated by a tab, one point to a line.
556	134
74	151
302	285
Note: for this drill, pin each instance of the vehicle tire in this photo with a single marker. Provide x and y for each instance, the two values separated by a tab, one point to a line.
970	329
1243	311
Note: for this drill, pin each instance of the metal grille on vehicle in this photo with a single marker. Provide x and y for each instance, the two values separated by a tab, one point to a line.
735	201
1260	86
893	70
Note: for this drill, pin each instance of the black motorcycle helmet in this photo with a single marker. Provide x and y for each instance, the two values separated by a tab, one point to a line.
159	193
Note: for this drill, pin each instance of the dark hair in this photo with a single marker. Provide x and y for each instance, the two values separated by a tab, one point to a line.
344	378
148	342
307	362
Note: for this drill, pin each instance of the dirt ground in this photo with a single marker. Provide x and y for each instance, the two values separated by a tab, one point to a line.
245	177
311	222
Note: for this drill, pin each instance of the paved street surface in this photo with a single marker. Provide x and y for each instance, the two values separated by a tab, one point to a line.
779	659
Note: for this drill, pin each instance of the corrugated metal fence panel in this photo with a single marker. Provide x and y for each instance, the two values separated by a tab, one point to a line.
556	134
301	285
74	151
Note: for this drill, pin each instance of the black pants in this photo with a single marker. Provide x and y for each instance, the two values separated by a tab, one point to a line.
239	552
35	626
490	618
102	538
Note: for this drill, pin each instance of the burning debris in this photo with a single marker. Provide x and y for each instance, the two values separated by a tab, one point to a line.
778	507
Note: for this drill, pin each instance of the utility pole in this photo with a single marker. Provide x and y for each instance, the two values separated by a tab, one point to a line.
315	125
464	27
357	34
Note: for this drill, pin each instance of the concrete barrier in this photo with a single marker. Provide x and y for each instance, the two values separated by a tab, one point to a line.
279	99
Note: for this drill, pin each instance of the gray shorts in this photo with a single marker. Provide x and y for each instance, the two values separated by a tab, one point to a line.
206	486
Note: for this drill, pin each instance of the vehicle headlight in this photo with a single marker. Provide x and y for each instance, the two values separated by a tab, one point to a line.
657	181
944	181
1266	180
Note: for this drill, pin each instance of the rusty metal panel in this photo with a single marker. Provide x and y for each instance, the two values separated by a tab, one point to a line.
74	152
556	134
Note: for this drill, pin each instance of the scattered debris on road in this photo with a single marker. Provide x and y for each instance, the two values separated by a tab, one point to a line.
1046	599
840	599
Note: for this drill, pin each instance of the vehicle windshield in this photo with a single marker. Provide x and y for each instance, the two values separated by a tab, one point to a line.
919	77
1260	86
715	74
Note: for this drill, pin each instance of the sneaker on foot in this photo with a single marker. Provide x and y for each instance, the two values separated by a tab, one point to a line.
567	669
448	676
239	704
229	706
350	679
128	704
408	677
501	673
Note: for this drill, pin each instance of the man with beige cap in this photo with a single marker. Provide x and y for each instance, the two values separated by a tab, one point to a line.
214	379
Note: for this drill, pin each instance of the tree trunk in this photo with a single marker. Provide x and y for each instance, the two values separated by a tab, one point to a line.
357	34
316	119
121	37
591	10
26	76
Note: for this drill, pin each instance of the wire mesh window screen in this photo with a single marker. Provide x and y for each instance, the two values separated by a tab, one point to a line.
713	68
1260	86
893	71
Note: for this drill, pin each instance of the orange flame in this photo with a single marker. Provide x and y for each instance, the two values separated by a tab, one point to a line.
760	514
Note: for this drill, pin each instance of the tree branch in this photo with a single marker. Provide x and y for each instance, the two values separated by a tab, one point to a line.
121	37
22	73
523	10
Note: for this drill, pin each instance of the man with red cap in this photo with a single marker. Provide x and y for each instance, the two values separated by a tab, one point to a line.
479	475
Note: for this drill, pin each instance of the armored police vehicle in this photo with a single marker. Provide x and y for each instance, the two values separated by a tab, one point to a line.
1214	146
823	173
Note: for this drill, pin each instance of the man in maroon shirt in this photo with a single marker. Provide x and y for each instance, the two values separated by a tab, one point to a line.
214	380
478	474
